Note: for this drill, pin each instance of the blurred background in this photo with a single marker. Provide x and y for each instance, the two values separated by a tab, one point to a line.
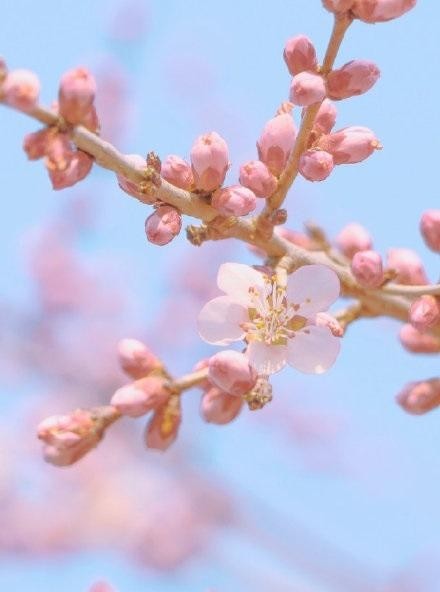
330	488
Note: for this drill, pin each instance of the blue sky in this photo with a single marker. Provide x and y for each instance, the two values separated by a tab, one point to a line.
211	65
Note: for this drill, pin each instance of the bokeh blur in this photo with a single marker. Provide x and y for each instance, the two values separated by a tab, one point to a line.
330	488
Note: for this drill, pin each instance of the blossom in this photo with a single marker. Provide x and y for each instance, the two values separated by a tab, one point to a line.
278	323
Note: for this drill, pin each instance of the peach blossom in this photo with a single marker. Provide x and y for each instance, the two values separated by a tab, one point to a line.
219	407
235	200
21	89
350	145
306	89
209	161
377	11
353	238
256	176
316	165
140	397
76	94
136	359
367	269
424	313
354	78
417	342
230	371
300	55
430	229
178	172
163	225
276	142
408	267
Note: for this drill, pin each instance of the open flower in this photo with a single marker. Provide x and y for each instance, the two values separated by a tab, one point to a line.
277	322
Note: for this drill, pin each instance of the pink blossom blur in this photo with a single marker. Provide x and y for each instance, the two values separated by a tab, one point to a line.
209	161
230	371
420	397
276	142
256	176
354	78
235	200
300	55
430	229
408	267
316	165
178	172
306	89
350	145
219	407
418	343
21	89
163	225
424	313
353	238
136	359
367	269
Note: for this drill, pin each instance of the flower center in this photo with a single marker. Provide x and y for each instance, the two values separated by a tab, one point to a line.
272	319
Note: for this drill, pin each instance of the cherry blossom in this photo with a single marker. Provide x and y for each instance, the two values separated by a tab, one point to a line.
278	323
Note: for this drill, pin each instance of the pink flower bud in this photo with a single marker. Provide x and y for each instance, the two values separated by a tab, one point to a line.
424	313
300	55
136	359
408	267
210	161
256	176
350	145
323	319
355	78
35	144
316	165
276	142
378	11
338	6
367	269
230	371
3	70
430	229
219	407
163	225
68	438
420	397
78	168
128	186
325	118
178	172
307	88
353	238
417	342
59	152
76	94
162	429
235	200
140	397
21	89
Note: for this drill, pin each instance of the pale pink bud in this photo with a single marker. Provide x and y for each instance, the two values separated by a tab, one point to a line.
78	168
378	11
353	238
350	145
417	342
276	142
136	359
76	94
162	429
163	225
367	269
424	313
140	397
219	407
325	118
355	78
338	6
323	319
235	200
430	229
316	165
297	238
420	397
59	152
3	70
230	371
300	55
35	144
210	161
256	176
178	172
408	267
306	89
128	186
68	438
21	89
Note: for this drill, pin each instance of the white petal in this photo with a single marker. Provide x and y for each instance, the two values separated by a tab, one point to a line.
266	359
219	321
314	288
313	350
235	279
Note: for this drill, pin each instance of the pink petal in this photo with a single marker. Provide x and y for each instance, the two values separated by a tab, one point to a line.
313	350
266	359
219	321
235	279
314	288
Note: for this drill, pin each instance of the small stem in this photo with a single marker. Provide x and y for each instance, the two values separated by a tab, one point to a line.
188	381
415	291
